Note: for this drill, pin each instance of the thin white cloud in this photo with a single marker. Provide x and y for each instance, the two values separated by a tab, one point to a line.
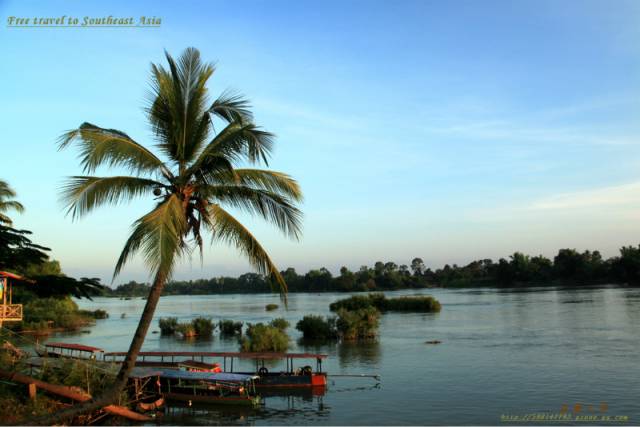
626	195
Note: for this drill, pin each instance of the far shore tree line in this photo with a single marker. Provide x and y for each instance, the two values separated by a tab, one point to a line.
569	267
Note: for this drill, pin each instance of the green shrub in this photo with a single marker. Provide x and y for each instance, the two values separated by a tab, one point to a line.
318	327
264	338
186	329
271	307
421	303
229	327
203	327
167	325
280	323
358	324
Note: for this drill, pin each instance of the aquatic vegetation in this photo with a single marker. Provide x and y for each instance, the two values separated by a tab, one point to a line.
200	327
280	323
318	327
187	330
264	338
358	324
271	307
229	327
203	327
418	303
167	325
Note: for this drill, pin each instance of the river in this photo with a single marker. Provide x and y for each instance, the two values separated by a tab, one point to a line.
502	353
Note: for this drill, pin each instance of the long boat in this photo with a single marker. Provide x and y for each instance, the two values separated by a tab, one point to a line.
73	351
302	376
197	387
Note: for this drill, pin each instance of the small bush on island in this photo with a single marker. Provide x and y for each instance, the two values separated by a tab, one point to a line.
167	325
318	328
264	338
229	327
421	303
280	323
271	307
358	324
203	327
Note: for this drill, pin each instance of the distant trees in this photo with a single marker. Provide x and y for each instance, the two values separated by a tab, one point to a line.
567	267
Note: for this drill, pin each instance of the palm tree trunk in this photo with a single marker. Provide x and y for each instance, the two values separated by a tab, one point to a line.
112	394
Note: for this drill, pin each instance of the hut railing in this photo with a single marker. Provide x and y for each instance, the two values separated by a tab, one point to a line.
11	312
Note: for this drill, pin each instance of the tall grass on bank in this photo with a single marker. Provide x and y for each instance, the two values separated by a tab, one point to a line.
421	304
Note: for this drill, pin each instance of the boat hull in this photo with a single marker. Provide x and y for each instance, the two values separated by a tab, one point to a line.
290	380
247	401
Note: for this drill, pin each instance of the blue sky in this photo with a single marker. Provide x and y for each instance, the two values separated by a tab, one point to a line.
449	130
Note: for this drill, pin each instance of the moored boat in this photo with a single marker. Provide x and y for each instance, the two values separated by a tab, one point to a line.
73	351
201	387
291	376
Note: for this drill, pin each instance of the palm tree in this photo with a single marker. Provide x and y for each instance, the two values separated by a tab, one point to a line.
7	192
193	187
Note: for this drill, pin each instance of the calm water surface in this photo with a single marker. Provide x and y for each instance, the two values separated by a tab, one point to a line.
502	352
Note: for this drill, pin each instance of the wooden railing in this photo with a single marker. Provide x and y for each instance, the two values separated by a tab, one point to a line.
11	312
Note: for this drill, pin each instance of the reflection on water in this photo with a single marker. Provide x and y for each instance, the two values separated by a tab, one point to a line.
503	352
360	353
276	410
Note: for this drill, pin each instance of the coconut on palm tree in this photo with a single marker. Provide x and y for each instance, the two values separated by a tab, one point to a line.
194	178
6	204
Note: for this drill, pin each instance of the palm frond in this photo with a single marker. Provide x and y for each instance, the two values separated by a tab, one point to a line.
5	220
232	107
236	142
11	205
272	181
110	147
159	236
178	110
6	190
82	194
225	228
273	207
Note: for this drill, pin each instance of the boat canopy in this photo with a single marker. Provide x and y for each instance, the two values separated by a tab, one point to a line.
207	376
139	372
240	355
78	347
